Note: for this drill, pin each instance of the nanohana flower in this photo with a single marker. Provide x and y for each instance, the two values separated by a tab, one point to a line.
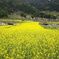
28	40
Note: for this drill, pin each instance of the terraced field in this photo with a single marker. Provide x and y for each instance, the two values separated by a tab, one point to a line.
28	40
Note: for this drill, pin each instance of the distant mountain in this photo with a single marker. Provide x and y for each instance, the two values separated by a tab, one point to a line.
40	1
35	1
27	6
12	6
52	5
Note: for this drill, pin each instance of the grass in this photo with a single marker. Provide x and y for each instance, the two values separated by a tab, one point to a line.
50	27
28	40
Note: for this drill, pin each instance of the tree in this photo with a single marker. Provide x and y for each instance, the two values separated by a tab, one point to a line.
3	13
23	14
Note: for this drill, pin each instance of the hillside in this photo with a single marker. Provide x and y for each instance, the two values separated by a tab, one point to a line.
9	6
52	5
27	6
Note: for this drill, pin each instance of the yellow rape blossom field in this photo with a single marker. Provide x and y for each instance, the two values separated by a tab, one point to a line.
28	41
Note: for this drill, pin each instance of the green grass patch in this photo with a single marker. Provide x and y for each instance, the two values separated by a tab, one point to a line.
50	27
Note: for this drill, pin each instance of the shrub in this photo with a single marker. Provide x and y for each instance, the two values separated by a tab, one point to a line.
3	14
23	14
